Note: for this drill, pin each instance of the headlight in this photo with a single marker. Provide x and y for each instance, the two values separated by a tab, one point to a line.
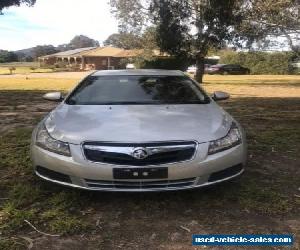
45	141
232	139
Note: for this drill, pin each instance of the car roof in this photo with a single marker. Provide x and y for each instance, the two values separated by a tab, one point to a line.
138	72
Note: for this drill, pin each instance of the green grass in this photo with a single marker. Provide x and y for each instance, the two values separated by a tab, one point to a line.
56	210
12	243
27	198
264	199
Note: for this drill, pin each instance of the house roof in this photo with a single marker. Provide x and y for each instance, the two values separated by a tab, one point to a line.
110	52
72	52
101	52
129	53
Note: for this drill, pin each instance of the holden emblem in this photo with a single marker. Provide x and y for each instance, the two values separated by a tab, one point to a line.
140	153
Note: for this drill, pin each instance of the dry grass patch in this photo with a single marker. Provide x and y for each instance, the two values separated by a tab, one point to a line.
22	70
254	85
237	86
64	84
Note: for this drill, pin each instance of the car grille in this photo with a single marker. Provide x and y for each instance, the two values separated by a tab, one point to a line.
124	153
139	184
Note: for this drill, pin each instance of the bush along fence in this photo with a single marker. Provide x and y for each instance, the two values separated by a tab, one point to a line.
275	63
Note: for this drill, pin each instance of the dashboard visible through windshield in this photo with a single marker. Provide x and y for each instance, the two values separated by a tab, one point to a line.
126	90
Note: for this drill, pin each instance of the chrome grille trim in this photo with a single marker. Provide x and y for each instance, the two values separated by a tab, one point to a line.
119	150
129	150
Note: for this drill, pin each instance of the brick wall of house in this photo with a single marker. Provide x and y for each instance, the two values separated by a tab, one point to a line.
101	63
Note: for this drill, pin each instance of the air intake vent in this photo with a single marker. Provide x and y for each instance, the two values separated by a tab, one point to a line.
98	184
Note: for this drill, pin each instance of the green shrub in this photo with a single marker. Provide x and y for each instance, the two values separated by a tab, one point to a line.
124	61
61	64
11	69
177	63
275	63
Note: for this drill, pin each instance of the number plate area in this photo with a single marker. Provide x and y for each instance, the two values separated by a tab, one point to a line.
140	173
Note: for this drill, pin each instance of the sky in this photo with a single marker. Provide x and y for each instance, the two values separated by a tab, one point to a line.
55	22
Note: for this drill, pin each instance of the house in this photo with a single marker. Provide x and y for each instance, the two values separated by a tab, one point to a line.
99	58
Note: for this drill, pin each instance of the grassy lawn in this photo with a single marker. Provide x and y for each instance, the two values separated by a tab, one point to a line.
37	84
264	200
248	86
23	70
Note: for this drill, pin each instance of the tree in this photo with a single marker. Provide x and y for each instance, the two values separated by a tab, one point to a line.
8	3
133	40
149	38
8	56
124	40
82	41
186	28
267	20
42	50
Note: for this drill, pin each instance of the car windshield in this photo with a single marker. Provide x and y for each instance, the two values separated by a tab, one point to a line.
114	90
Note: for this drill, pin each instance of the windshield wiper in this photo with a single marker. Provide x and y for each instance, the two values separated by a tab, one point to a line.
73	102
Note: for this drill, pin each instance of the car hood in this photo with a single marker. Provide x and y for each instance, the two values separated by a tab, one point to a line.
138	123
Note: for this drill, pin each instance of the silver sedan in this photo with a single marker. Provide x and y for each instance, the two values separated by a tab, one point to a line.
138	130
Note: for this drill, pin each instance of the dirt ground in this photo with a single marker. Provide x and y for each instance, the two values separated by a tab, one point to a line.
265	200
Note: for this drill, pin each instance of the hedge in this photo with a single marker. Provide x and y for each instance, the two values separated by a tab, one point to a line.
165	63
275	63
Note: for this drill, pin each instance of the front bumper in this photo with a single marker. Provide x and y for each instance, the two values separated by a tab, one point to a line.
202	170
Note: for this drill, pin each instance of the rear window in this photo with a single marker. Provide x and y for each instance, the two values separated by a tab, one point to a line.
110	90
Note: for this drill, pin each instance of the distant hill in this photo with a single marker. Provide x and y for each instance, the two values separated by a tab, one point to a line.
29	54
25	52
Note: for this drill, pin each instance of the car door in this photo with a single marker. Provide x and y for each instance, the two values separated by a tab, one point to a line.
235	69
227	69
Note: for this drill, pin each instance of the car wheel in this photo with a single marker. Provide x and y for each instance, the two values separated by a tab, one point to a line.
225	73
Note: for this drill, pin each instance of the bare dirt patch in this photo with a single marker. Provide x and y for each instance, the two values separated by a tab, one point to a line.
22	109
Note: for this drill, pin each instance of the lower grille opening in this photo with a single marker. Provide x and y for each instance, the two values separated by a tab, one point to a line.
225	173
139	184
53	175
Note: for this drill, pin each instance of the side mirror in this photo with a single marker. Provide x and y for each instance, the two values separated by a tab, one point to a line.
53	96
219	96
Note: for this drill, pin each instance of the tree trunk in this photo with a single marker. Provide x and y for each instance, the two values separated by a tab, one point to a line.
200	69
